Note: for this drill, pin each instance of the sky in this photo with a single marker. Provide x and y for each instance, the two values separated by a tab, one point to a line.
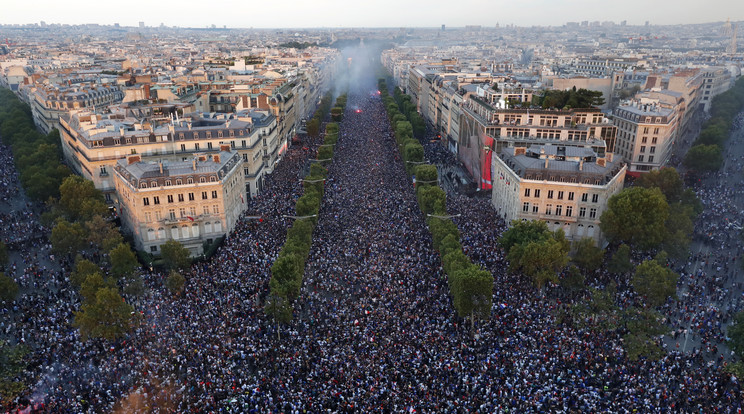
367	13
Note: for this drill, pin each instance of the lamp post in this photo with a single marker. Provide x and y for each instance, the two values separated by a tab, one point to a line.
444	217
299	217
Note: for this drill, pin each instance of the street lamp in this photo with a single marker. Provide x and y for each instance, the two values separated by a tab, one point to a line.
326	159
311	181
299	217
443	217
418	162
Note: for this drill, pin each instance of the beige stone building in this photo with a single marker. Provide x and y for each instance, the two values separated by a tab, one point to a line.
647	133
567	187
193	202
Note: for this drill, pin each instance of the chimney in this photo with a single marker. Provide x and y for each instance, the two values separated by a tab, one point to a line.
546	162
520	151
193	163
132	159
160	164
225	147
216	158
601	162
581	164
202	157
121	131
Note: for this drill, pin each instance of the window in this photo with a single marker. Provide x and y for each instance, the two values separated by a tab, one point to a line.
191	196
179	182
526	192
595	198
189	180
645	130
650	158
526	207
212	179
202	179
192	211
560	195
644	140
640	158
582	211
196	146
242	142
216	209
656	130
204	195
158	216
537	193
182	212
172	214
183	147
548	209
209	145
593	213
569	211
584	197
653	140
146	201
206	210
214	194
643	148
550	193
534	209
170	198
558	210
148	218
180	198
154	249
156	200
652	150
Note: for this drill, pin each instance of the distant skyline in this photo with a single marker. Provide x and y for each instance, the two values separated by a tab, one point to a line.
380	13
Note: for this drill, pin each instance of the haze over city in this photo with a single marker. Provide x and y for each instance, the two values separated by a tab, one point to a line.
394	207
380	13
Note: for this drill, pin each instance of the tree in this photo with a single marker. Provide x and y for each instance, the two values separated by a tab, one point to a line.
540	260
588	256
83	268
13	363
313	127
175	282
80	200
100	231
521	232
473	293
123	261
636	216
644	328
92	283
573	279
441	228
432	200
704	158
667	180
67	238
736	335
620	261
108	316
175	256
8	288
655	282
426	175
286	276
3	254
278	308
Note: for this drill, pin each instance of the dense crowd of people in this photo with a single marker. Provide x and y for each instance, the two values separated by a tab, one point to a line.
374	328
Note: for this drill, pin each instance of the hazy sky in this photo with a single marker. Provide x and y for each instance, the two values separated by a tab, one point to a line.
367	13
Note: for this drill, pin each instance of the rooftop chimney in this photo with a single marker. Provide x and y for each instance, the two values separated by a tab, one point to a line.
581	164
216	158
601	162
546	162
193	164
225	147
160	164
132	159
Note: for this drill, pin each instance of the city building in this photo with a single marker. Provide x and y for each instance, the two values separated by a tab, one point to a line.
193	202
646	133
567	187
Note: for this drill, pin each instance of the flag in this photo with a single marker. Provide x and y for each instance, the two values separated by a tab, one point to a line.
190	218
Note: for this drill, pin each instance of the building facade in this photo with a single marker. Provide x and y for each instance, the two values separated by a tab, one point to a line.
567	187
647	132
193	202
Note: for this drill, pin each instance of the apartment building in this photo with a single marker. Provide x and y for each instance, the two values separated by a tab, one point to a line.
716	80
485	129
647	132
567	187
93	143
193	202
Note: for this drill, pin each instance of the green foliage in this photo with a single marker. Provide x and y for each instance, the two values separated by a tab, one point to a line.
102	233
704	158
175	282
108	316
13	362
522	232
92	284
67	238
598	313
655	282
123	261
175	256
449	244
572	98
587	256
325	153
620	262
426	175
414	152
307	205
573	279
337	114
636	216
80	200
440	229
473	292
317	170
83	268
8	288
540	260
3	254
665	179
432	200
313	127
286	276
736	335
642	340
278	308
453	262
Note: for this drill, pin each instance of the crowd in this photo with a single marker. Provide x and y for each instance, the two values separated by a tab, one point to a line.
374	328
